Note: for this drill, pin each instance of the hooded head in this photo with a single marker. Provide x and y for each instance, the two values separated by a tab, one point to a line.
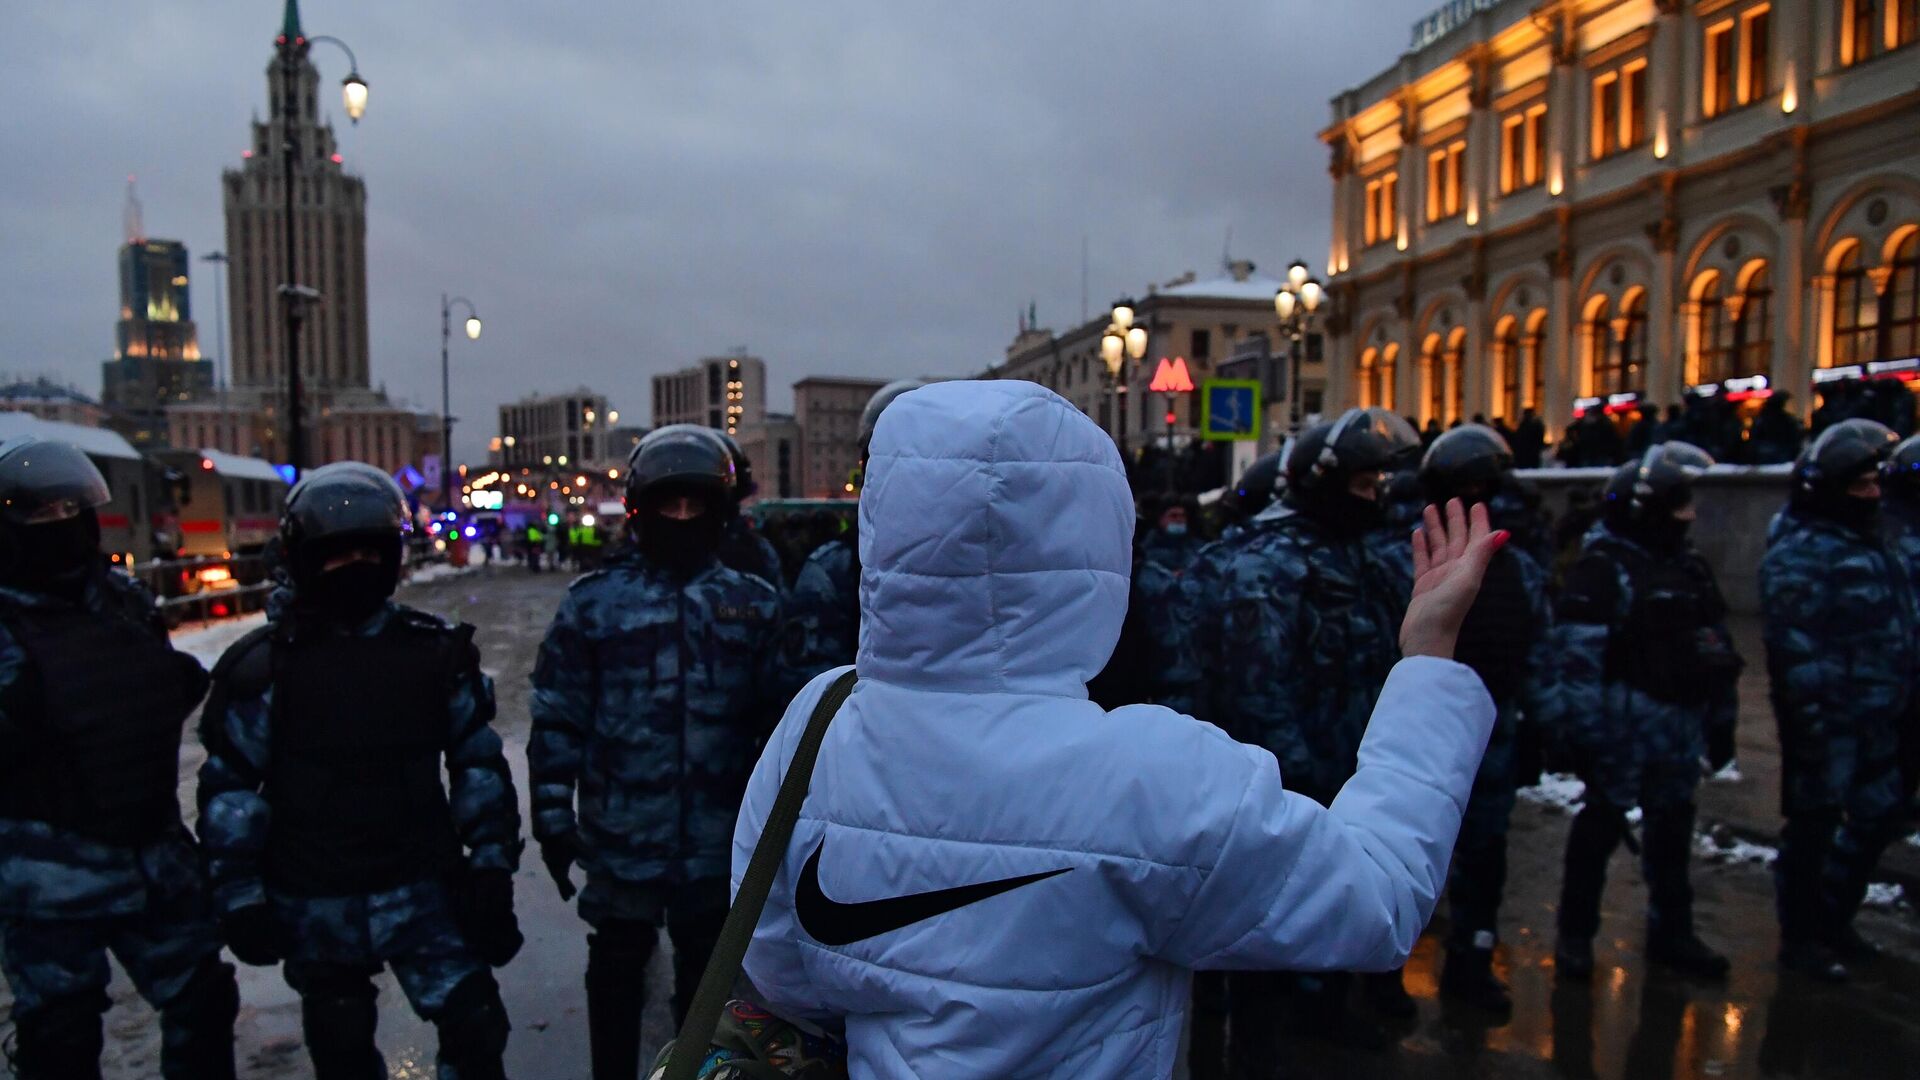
995	542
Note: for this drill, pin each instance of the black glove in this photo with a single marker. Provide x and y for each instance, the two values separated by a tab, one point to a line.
1719	746
486	916
560	853
254	934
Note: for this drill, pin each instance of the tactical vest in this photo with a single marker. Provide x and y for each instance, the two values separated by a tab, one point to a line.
1667	649
104	757
1495	640
359	725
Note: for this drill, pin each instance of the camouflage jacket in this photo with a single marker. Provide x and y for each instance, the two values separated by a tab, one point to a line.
650	699
47	872
822	628
1839	625
1646	669
236	810
1303	628
1900	530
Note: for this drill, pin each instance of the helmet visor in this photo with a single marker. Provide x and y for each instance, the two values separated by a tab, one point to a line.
42	482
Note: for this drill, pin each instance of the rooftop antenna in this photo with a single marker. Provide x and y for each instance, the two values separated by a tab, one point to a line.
130	220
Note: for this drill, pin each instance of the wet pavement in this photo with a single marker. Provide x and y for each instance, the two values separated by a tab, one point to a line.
1627	1023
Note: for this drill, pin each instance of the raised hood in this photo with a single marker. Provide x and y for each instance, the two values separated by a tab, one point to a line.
995	540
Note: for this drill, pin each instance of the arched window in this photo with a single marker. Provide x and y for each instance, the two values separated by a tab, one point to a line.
1713	339
1435	378
1456	372
1632	332
1856	312
1903	298
1602	360
1753	324
1369	378
1533	354
1507	366
1387	389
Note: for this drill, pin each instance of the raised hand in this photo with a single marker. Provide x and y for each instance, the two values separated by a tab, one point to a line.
1449	560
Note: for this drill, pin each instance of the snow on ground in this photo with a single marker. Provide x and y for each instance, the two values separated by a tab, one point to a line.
1881	894
1558	791
206	642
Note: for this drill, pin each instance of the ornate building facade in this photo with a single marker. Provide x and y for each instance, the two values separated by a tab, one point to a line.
1544	204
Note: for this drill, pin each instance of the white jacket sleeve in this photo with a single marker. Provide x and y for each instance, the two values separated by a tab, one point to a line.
1301	887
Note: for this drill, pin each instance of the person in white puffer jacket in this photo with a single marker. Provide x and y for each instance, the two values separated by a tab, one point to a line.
994	877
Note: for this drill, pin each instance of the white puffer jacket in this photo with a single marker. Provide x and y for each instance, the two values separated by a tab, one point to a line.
1114	853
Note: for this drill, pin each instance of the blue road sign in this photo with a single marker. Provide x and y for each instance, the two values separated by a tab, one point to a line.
1230	410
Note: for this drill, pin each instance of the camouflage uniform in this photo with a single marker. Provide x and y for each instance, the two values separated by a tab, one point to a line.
335	943
1900	529
68	899
1840	633
1308	628
1646	679
651	696
822	629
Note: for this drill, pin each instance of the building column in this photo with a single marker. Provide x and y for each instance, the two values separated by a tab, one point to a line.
1802	323
1475	365
1557	347
1665	92
1665	365
1563	132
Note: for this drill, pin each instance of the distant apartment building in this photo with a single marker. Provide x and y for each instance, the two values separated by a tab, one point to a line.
727	393
827	410
774	448
547	429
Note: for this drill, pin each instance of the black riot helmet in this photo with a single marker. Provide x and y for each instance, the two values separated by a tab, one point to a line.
1470	463
1657	484
336	509
682	458
1257	485
1361	440
877	404
743	485
1900	474
1841	454
49	532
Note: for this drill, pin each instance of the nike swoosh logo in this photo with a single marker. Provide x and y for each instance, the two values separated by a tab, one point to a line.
832	923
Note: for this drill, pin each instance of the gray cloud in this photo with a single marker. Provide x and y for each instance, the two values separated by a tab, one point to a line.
857	188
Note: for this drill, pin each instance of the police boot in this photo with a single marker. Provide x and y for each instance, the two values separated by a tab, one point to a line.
339	1029
1848	944
196	1027
473	1030
1386	991
1688	955
1468	978
1671	942
617	955
1813	959
1596	831
61	1039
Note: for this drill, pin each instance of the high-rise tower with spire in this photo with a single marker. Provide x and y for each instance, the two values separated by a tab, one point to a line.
156	351
330	223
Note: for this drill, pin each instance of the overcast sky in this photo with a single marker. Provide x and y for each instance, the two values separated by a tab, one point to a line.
843	188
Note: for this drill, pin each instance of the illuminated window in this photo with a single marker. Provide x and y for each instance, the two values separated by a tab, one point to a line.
1506	363
1633	104
1856	31
1606	115
1444	180
1901	315
1756	33
1717	96
1523	149
1856	312
1380	223
1903	23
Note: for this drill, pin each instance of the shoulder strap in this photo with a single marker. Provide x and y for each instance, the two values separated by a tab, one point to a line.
730	951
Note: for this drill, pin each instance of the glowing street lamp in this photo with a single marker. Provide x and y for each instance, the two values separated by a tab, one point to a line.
1295	304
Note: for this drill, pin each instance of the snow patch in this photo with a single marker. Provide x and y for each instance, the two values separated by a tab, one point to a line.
1729	775
208	642
1881	894
1559	791
439	571
1723	847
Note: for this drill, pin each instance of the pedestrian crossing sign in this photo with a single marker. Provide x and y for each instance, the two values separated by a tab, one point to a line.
1230	410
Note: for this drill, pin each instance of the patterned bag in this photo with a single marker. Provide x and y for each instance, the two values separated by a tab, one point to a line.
743	1041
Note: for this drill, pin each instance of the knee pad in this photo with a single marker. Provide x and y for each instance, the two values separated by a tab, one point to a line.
473	1027
61	1040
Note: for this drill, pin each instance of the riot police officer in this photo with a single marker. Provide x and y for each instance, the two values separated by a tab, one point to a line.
650	697
1252	493
93	856
334	844
1647	680
1839	625
1297	634
743	547
823	610
1506	641
1900	519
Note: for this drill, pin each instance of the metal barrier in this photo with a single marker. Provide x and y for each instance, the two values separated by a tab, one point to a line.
207	588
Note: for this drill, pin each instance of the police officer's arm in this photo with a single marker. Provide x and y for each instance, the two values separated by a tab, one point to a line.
13	665
1178	680
816	635
564	676
1799	595
486	812
1538	691
236	729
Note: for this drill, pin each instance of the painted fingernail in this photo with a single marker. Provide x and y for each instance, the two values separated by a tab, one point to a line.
1500	539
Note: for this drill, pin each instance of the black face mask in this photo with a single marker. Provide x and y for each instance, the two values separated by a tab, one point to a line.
1343	513
56	558
682	548
1662	533
350	594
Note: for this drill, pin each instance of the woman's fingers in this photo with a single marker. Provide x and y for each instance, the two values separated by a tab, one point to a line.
1420	563
1456	529
1434	536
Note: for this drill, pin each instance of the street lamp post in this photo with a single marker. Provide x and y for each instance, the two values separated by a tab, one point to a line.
1122	341
446	387
1295	304
292	46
